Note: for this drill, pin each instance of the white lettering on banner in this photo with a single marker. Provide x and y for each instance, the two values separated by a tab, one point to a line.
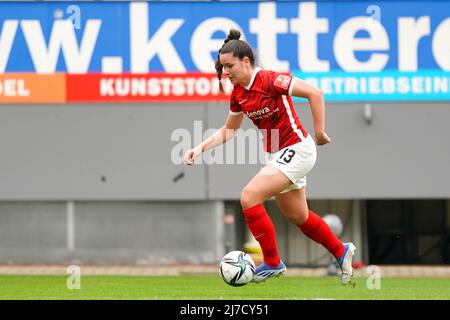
266	27
203	86
190	86
345	44
351	85
202	44
138	87
363	85
7	35
307	27
441	84
388	84
177	86
338	81
417	84
122	87
326	85
374	85
165	84
441	45
107	87
410	31
403	85
382	85
13	88
142	50
153	87
63	38
428	84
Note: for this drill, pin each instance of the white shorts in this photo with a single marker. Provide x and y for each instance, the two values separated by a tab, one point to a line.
295	162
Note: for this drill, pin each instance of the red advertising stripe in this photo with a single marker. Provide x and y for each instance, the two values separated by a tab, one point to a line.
152	87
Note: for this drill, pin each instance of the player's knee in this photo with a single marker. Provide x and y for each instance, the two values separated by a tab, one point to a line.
303	216
249	198
298	217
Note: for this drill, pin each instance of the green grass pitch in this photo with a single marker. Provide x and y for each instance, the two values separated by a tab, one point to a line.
197	287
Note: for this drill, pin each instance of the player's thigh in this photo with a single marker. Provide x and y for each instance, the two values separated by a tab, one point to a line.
293	205
268	182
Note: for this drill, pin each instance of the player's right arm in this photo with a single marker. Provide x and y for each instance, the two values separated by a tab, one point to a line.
228	131
303	89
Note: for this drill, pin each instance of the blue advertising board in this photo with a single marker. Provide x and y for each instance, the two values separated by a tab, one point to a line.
353	51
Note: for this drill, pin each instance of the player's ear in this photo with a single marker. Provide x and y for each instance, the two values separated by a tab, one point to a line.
246	60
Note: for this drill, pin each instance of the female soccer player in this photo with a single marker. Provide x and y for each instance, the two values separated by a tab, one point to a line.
264	96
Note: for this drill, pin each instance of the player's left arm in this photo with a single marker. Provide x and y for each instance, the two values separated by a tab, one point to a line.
302	89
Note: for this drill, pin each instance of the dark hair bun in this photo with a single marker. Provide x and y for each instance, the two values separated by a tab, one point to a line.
234	34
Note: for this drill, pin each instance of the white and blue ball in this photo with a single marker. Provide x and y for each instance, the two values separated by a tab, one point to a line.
237	268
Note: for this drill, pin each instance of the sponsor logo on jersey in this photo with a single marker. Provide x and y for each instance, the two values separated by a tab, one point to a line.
261	113
258	113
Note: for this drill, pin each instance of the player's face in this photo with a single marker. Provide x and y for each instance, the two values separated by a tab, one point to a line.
238	71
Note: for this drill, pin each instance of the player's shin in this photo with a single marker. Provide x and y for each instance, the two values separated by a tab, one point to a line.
318	230
261	226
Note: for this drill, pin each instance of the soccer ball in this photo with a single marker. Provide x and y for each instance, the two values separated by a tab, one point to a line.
237	268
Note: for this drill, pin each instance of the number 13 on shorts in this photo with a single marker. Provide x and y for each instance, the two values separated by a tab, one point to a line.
286	156
295	161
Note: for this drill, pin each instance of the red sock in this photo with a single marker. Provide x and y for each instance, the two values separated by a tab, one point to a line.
319	231
259	223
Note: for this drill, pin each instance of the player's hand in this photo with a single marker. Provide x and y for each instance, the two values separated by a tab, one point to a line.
191	154
321	138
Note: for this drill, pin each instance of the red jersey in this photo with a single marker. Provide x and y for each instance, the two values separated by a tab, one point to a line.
267	101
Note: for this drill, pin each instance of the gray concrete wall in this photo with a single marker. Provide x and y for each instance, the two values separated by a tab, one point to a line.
124	152
117	152
111	232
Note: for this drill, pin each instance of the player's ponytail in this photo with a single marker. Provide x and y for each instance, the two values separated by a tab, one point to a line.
237	47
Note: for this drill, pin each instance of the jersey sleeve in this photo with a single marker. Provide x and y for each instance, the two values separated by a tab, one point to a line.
281	83
235	107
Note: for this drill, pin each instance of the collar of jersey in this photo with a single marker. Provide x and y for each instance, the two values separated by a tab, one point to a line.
247	87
